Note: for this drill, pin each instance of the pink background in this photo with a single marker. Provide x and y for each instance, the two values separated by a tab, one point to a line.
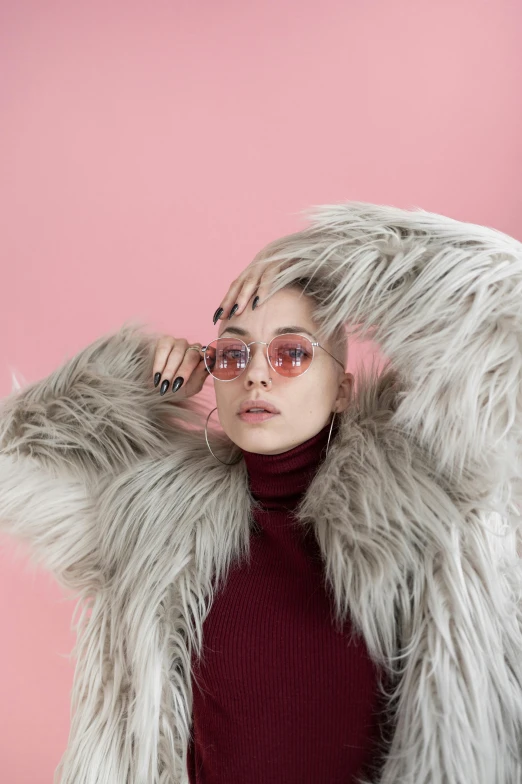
149	150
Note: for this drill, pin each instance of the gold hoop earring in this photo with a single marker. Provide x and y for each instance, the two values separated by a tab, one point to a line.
234	462
330	434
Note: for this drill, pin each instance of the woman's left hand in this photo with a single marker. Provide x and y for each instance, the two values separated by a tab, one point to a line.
255	279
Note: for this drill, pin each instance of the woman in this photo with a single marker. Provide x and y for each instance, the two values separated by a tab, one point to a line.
316	713
208	565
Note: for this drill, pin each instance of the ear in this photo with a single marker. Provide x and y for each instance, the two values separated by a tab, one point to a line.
345	392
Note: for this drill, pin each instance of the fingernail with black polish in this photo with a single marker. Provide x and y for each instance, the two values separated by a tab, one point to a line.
157	379
236	306
164	386
254	303
217	314
177	383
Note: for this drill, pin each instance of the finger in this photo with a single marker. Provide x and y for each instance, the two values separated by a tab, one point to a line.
181	362
265	282
192	385
197	378
246	292
197	371
230	299
174	358
240	290
161	355
192	381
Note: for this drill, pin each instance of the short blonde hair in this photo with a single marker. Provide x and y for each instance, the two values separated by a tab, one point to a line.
339	339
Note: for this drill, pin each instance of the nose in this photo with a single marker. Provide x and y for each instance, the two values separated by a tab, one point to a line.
258	370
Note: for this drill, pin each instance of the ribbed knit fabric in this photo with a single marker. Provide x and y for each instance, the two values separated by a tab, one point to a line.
280	696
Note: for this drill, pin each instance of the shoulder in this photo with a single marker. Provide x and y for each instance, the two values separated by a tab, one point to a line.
162	501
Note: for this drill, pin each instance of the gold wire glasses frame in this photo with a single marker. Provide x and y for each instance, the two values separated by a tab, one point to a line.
313	343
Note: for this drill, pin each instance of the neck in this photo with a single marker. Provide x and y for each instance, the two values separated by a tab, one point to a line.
279	481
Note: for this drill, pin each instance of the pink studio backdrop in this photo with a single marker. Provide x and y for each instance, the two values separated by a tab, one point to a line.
149	150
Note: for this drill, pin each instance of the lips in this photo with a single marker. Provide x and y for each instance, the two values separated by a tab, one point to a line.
256	416
247	405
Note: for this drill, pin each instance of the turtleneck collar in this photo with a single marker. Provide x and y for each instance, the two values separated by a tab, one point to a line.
278	482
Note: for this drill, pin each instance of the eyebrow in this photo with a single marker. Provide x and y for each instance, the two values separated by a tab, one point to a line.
278	331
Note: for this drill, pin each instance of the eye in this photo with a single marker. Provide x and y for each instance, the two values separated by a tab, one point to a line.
295	353
232	355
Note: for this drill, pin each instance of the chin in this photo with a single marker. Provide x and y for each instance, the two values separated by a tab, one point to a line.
251	437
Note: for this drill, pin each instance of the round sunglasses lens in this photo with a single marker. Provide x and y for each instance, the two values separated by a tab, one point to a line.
226	358
291	355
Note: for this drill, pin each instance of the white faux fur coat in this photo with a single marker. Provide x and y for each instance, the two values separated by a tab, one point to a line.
416	507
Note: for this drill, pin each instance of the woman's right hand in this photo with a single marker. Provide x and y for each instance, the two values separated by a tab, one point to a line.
172	361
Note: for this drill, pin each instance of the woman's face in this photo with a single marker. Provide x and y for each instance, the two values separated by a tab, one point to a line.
305	403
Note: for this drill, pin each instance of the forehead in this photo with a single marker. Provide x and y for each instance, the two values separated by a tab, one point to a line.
286	311
283	330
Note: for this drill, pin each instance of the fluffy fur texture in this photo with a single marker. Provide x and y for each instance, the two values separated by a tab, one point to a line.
416	507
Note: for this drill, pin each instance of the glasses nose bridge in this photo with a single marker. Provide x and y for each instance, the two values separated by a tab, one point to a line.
263	343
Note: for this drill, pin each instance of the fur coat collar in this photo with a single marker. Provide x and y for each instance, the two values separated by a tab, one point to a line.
415	507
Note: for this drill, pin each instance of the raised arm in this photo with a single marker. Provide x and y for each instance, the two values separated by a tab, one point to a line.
444	301
66	437
435	593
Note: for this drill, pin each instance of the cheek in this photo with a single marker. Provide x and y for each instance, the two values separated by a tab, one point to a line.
225	401
309	400
324	392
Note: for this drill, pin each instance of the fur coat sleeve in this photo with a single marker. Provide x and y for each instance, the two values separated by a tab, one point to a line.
444	301
66	438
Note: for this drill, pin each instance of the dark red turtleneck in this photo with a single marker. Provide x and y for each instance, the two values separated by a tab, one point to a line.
280	696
